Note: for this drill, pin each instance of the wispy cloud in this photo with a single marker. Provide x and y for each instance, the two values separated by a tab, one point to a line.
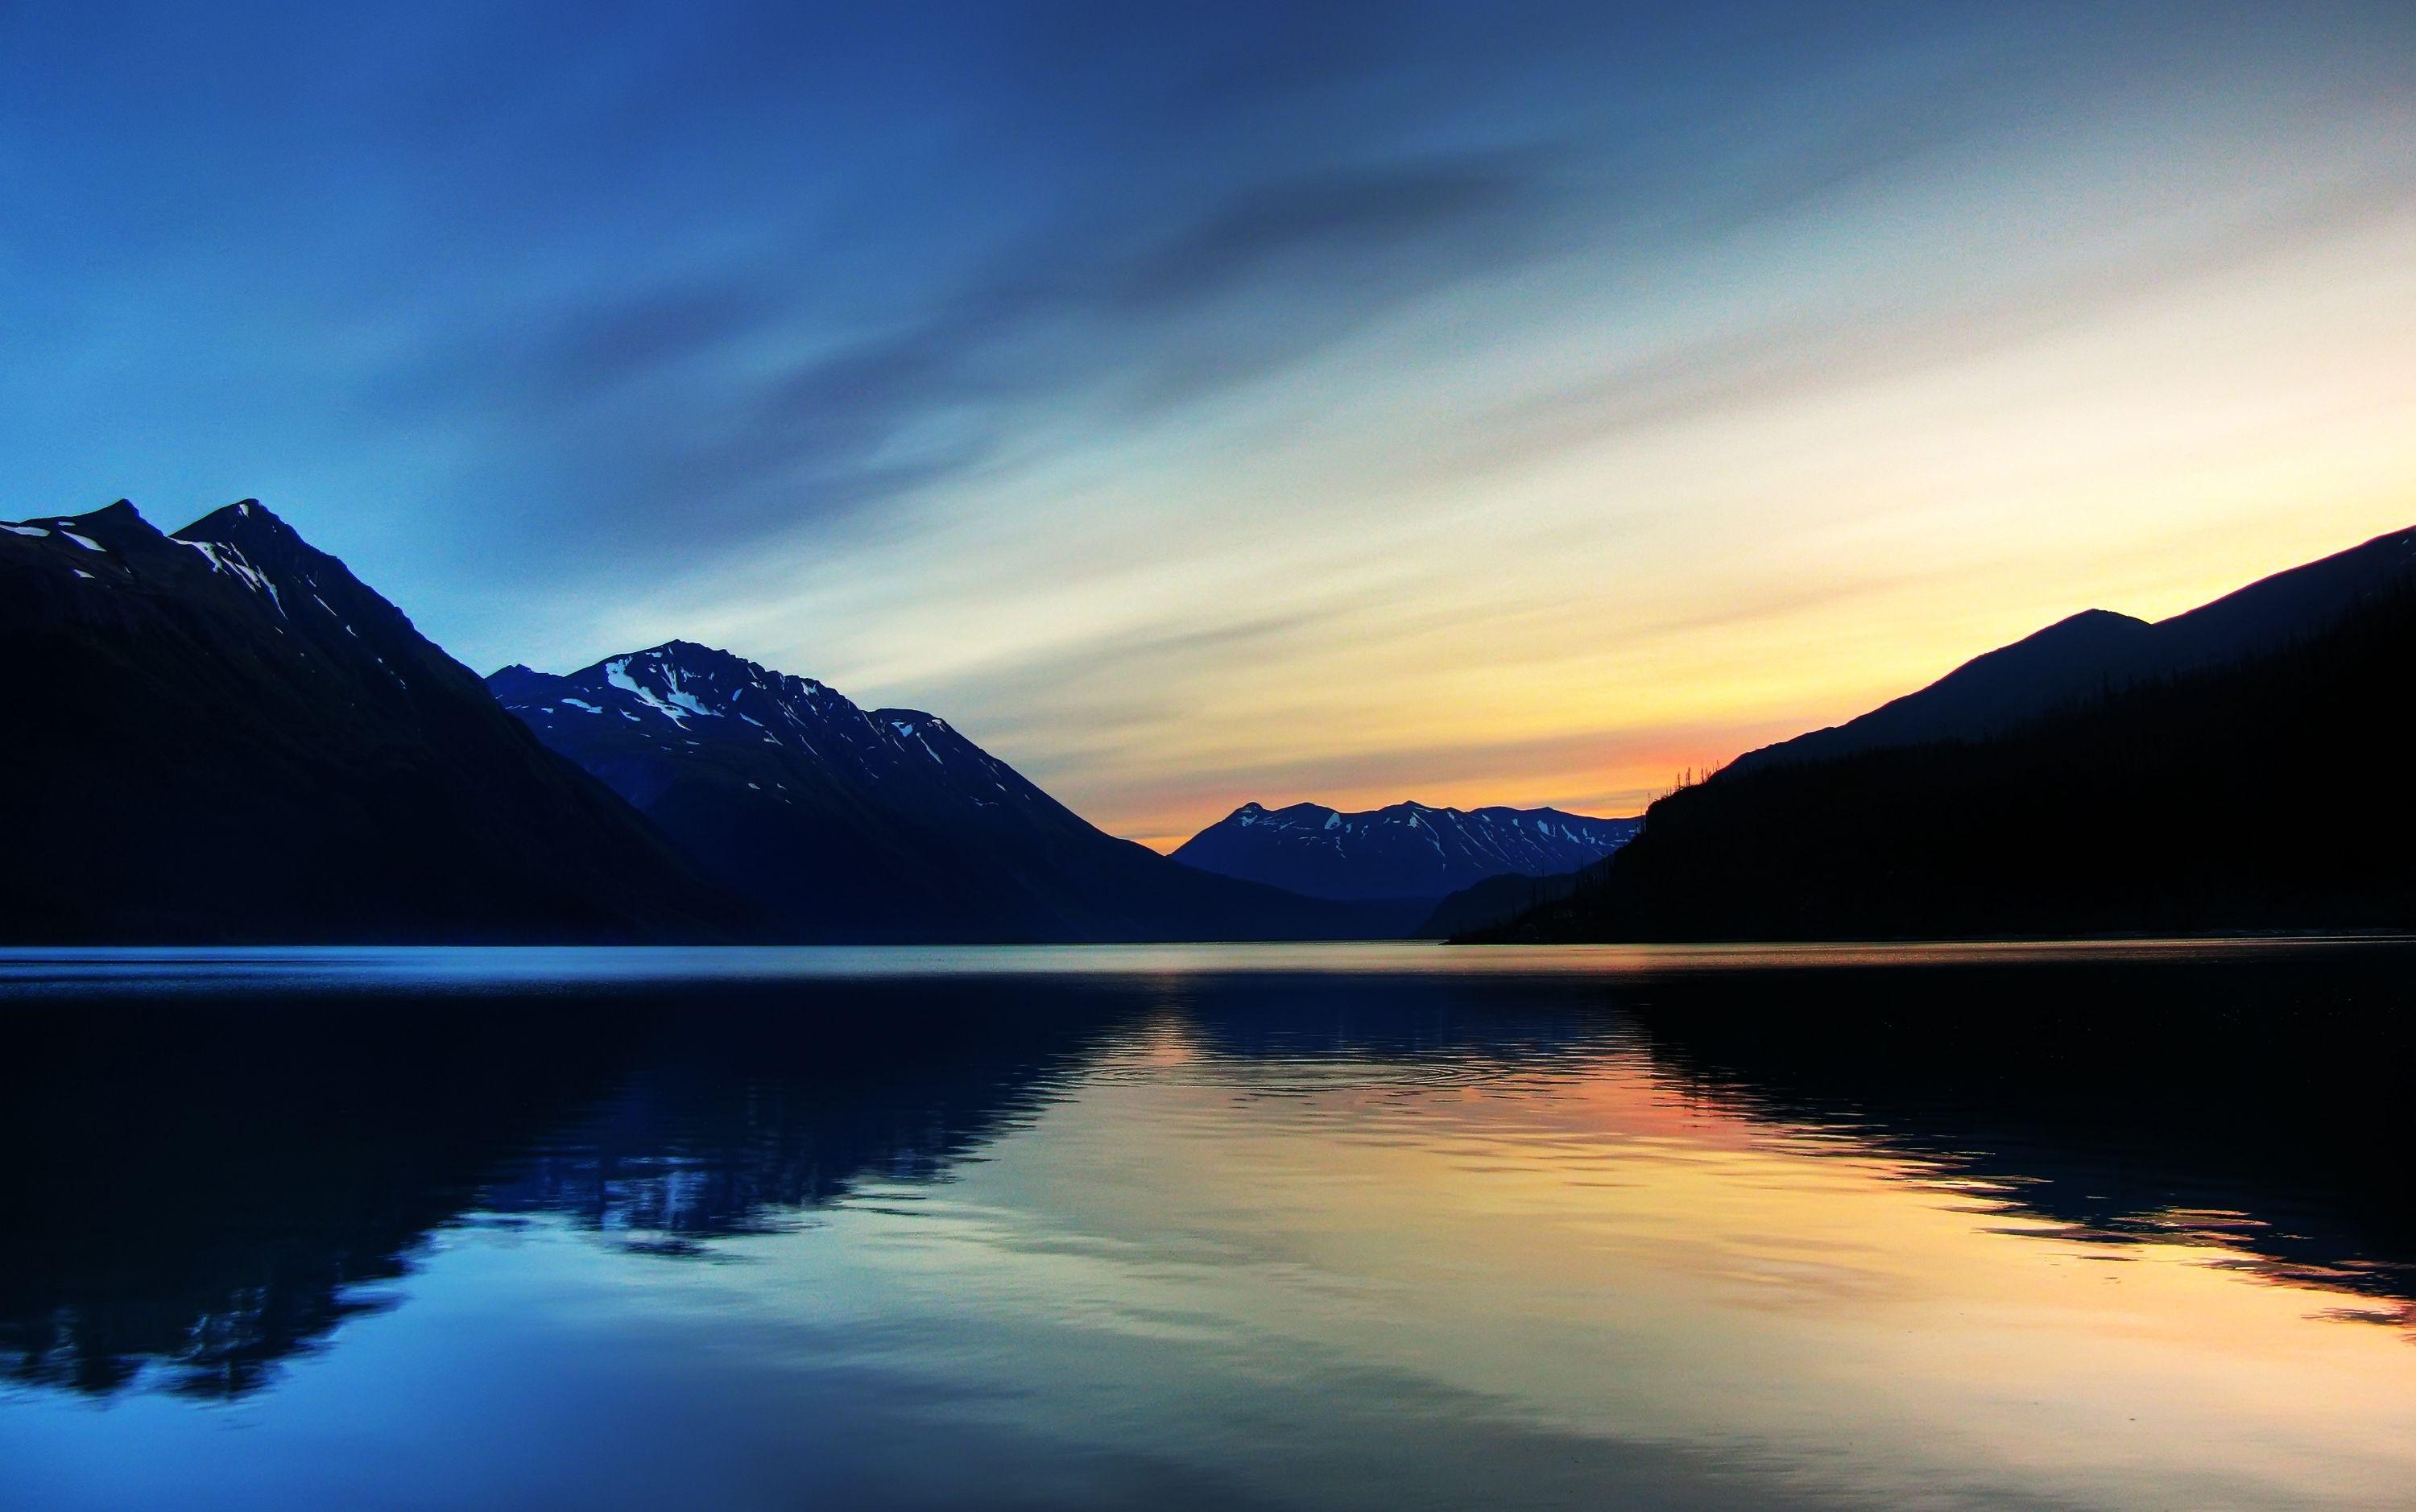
1466	401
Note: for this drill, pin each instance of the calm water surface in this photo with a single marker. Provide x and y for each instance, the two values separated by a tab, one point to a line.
1313	1227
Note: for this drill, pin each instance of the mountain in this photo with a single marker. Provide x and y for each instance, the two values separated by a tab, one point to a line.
2262	794
222	735
847	824
2094	652
1493	903
1408	850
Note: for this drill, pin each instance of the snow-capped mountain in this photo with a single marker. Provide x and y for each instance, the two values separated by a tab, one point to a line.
681	706
1406	850
847	823
223	734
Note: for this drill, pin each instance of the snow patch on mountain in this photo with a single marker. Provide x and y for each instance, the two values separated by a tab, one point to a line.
1406	849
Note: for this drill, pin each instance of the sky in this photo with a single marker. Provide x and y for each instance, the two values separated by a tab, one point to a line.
1200	404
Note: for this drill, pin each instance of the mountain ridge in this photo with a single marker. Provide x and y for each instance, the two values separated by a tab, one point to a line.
1402	850
877	825
2250	794
2095	653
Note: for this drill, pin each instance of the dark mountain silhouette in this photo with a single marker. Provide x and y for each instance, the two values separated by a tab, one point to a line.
2093	653
2262	795
1497	900
1406	850
223	735
846	824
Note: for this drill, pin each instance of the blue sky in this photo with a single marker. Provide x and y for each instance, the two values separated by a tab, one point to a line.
1206	403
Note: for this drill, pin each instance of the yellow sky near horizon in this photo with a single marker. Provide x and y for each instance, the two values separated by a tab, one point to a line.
1576	630
1553	534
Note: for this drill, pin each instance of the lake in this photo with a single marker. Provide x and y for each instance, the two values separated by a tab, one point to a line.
1351	1226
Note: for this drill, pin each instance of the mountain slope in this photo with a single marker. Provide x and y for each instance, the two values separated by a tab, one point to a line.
848	824
222	735
1406	850
1493	903
2264	794
2094	652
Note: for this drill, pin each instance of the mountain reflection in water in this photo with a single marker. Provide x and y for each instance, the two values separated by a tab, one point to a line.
1346	1230
219	1183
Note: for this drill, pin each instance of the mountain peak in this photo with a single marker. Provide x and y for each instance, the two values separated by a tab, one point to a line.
2089	622
115	529
517	681
109	524
697	659
121	513
244	519
265	540
703	679
1257	813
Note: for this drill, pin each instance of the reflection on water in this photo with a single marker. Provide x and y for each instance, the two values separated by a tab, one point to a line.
1353	1227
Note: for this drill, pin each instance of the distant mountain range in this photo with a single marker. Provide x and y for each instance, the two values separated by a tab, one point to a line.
2235	767
1406	850
843	823
222	735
